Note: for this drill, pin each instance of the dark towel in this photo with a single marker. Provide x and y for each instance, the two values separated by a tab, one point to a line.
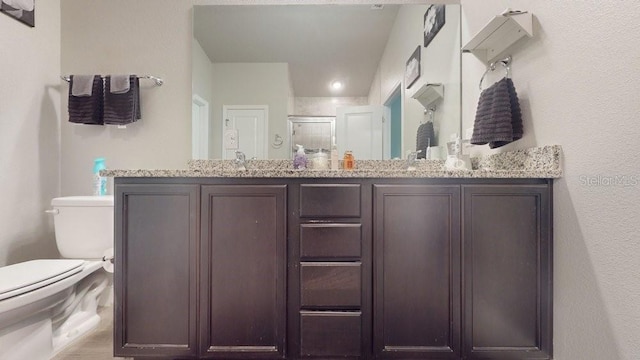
425	138
498	117
122	109
87	109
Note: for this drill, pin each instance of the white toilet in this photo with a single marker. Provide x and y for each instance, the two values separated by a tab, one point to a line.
46	304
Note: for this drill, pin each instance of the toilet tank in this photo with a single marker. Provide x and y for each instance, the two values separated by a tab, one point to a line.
83	225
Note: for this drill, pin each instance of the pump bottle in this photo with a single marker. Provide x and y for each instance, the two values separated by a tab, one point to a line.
300	159
99	182
334	155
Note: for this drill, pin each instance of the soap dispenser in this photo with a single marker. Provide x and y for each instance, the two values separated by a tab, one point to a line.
300	159
99	182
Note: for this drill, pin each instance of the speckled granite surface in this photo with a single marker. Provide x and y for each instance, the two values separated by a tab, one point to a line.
540	162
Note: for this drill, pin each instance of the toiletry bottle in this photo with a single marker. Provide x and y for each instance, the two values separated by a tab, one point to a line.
300	159
99	182
334	155
348	162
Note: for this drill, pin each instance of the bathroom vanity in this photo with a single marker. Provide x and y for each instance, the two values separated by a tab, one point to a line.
359	266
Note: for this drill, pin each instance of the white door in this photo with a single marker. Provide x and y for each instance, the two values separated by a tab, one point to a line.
250	125
199	128
360	129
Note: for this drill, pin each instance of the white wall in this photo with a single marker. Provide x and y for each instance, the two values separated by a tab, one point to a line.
118	37
578	81
202	72
291	101
440	63
29	133
252	84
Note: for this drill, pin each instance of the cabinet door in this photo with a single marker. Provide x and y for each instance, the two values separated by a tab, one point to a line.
417	271
507	272
156	238
243	267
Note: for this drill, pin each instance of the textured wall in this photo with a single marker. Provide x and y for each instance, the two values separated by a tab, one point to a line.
29	133
578	81
119	37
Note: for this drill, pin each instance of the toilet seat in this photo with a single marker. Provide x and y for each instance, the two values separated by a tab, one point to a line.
21	278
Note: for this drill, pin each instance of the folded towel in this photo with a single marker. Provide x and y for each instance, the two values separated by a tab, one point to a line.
82	85
119	84
121	109
425	138
86	109
498	116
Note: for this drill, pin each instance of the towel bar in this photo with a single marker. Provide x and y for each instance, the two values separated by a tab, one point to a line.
158	81
506	62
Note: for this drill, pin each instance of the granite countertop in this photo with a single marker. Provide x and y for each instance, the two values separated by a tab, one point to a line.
540	162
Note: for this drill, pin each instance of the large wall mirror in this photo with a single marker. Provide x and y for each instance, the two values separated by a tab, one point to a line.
263	73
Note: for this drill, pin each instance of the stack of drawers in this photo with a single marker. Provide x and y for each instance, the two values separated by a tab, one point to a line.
330	270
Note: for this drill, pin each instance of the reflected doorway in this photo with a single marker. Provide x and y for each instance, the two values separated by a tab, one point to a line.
244	128
393	112
199	128
361	129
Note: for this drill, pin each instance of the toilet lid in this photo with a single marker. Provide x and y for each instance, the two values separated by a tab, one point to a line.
23	277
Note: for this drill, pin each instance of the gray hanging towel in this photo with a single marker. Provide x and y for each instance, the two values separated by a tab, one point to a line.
120	84
498	116
121	108
424	138
88	105
82	85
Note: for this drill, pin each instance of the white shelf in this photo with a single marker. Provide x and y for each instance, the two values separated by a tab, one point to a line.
499	34
428	94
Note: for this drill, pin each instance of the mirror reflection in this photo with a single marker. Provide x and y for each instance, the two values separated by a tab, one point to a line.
267	77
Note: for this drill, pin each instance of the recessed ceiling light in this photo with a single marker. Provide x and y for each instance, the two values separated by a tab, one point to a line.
336	85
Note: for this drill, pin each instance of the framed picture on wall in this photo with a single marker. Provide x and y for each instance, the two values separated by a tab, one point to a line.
433	22
412	70
21	10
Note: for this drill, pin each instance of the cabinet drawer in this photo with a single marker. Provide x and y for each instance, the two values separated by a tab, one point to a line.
330	284
330	200
330	241
330	333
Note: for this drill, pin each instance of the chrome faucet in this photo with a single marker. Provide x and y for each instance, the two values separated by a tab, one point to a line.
240	162
411	159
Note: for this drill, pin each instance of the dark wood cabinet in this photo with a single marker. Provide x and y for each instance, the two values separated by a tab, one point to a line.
333	268
330	200
331	334
330	241
243	271
330	270
507	271
155	280
417	271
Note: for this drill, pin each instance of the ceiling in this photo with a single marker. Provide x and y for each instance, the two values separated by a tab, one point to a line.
320	43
